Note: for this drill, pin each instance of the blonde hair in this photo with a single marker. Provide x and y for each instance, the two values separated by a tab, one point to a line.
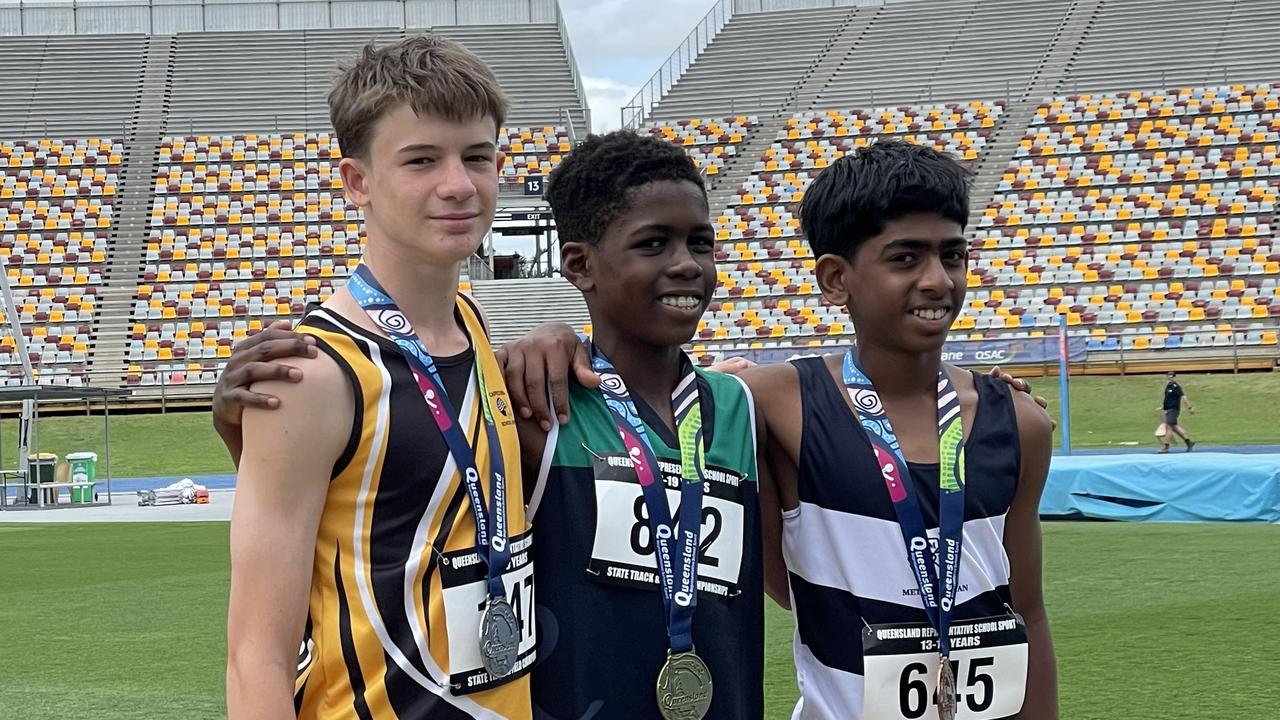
432	74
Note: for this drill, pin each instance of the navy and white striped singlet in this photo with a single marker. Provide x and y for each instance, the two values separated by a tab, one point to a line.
844	550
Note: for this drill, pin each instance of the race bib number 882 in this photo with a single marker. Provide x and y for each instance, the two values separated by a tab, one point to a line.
623	553
988	658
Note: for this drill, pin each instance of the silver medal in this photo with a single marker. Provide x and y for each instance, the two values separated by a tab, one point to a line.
947	705
499	638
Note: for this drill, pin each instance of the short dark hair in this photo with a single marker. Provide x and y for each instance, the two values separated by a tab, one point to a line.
591	185
858	194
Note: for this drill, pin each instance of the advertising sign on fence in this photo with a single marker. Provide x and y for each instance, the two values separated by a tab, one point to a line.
1020	351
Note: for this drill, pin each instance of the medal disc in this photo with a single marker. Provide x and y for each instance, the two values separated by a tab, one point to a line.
947	705
499	638
684	687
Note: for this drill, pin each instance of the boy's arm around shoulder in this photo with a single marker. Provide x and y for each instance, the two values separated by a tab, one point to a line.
285	469
533	449
1022	542
774	389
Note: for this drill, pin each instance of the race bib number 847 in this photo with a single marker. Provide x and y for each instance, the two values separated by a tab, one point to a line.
462	577
901	662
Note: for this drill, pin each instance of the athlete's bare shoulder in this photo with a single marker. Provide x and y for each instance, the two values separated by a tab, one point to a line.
769	383
776	388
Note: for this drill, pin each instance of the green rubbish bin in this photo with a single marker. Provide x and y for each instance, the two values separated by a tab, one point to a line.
41	469
84	469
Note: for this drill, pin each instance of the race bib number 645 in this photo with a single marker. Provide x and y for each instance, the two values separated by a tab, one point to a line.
988	657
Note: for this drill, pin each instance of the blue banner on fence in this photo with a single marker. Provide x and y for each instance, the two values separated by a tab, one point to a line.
1020	351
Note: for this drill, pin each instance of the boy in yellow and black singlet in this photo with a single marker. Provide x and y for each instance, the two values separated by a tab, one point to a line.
381	562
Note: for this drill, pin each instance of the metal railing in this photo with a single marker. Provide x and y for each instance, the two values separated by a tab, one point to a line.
1228	349
1233	352
1207	77
578	87
1222	350
41	126
478	268
637	110
567	116
1255	347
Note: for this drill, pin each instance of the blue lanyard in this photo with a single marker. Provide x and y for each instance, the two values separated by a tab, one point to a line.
925	564
676	551
491	545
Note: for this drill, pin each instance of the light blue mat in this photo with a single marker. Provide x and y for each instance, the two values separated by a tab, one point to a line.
1176	487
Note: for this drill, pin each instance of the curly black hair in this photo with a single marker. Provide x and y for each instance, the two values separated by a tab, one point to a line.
854	198
593	182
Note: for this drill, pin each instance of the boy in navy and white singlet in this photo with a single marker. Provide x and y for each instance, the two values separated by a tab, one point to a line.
908	543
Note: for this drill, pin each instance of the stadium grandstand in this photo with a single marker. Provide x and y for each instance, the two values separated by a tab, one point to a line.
169	173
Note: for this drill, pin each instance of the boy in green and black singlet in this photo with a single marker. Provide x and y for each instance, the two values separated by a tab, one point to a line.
635	239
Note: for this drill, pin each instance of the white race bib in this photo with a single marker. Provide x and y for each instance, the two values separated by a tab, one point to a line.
901	662
462	575
622	552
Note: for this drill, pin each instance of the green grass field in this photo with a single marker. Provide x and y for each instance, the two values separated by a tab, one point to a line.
1106	412
1151	621
1114	411
175	443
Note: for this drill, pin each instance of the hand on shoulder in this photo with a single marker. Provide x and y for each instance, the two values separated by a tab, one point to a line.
315	411
1031	416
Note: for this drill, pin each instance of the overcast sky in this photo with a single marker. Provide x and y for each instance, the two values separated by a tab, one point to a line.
620	43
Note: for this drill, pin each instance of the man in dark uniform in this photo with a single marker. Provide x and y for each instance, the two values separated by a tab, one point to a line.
1173	399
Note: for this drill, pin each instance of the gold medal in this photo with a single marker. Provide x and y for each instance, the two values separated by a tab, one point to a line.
947	705
684	687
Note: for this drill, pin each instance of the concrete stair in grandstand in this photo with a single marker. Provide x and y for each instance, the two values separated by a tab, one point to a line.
133	91
514	307
842	44
69	85
1050	75
1044	81
724	189
753	63
125	261
999	151
969	50
1196	43
846	31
